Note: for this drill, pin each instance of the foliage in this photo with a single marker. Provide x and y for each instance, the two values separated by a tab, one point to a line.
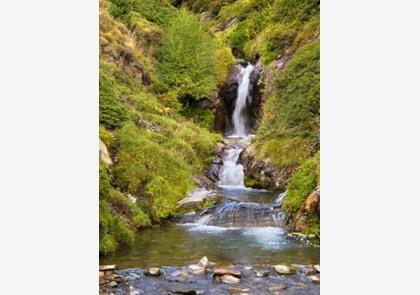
302	183
186	57
106	136
200	116
144	168
290	122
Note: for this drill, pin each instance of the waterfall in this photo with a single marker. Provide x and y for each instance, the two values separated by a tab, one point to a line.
232	174
243	96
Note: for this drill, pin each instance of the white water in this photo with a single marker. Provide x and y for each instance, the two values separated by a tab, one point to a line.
233	173
242	97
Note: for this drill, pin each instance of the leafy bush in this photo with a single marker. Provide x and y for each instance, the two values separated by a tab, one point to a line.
106	136
303	182
186	57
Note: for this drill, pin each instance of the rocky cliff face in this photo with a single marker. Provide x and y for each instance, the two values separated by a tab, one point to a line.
266	175
227	97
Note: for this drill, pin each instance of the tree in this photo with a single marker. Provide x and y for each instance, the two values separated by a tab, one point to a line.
186	57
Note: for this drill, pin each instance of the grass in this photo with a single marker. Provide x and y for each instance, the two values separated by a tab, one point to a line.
303	182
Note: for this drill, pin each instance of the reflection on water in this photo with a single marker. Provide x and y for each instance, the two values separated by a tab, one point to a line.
179	245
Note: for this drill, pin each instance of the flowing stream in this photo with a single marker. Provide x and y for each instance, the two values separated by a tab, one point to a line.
247	228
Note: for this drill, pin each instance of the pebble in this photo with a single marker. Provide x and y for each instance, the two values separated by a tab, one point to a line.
262	273
284	269
154	271
113	284
314	279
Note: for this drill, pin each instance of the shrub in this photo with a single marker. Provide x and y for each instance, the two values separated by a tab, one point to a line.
185	60
120	8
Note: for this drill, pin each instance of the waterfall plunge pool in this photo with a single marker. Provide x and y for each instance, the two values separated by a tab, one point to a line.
180	245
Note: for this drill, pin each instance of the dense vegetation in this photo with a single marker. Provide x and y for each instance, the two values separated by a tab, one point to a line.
156	150
158	60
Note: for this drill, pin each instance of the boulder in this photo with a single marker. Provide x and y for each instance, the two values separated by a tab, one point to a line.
229	279
198	198
285	269
317	267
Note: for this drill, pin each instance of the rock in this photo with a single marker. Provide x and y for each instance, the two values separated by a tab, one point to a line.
229	279
153	271
278	287
317	267
262	273
226	271
203	262
104	154
315	279
248	267
182	290
309	210
262	172
113	284
198	198
196	269
107	267
285	270
309	270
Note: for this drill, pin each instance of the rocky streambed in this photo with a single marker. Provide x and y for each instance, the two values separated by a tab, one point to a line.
209	278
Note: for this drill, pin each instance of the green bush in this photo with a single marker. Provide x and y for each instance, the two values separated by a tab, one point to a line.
157	11
120	8
303	182
185	60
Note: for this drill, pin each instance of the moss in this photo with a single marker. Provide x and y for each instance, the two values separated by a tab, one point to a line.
106	136
253	183
302	183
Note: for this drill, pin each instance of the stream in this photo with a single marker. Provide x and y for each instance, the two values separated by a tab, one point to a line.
247	228
244	229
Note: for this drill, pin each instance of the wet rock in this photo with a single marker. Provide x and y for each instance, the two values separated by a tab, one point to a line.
246	214
277	288
227	271
154	271
203	262
113	284
285	270
309	270
261	171
229	279
317	267
182	290
196	269
198	198
262	273
315	279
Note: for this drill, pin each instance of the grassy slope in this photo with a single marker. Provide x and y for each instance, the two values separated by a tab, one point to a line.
156	150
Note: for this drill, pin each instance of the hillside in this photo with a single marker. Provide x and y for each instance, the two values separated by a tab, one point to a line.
162	65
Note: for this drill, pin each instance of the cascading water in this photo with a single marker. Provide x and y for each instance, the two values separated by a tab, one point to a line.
233	173
242	98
